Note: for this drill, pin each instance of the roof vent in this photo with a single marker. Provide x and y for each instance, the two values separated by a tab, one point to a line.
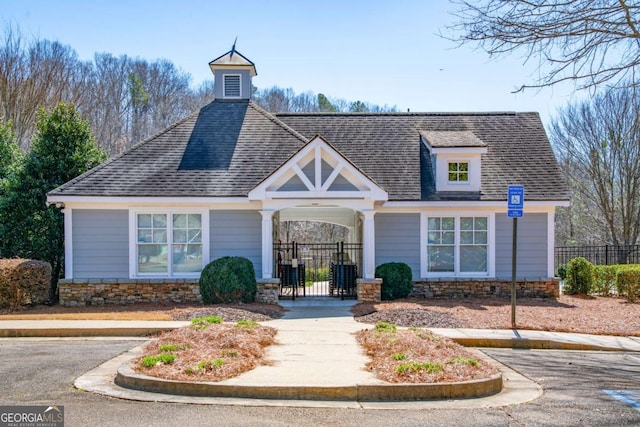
232	86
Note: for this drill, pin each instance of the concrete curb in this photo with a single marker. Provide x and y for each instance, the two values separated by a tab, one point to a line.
516	389
128	378
531	344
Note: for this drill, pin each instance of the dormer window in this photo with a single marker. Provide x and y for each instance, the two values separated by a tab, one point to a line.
458	172
232	86
456	158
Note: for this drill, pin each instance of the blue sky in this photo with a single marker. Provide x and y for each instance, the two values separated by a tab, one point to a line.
383	52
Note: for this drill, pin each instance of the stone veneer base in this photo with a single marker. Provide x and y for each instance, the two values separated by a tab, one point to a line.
82	292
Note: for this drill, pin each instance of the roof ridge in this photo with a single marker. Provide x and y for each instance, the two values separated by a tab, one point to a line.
279	122
408	114
134	147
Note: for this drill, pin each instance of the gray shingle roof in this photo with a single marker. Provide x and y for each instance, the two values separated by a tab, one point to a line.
452	139
228	147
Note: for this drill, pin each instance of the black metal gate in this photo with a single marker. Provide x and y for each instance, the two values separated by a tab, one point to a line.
317	269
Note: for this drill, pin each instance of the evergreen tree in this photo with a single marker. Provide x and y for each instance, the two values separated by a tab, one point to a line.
62	148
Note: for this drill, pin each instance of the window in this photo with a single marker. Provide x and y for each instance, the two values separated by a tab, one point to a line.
457	245
232	86
169	244
458	172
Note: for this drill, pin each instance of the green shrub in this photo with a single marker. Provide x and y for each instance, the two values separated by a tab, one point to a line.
396	280
606	279
580	277
628	281
228	279
246	323
562	271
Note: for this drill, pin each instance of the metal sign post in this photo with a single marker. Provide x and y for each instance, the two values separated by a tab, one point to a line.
515	210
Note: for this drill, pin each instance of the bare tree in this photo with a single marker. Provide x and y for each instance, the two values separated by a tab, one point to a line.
598	143
589	42
35	76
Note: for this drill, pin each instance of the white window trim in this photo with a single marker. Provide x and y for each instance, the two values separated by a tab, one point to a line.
458	182
491	244
442	172
224	86
133	241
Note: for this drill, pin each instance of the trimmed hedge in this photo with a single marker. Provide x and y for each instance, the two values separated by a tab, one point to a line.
580	277
628	281
227	280
23	282
396	280
620	279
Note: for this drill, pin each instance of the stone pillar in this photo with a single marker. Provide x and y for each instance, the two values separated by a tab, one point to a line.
369	290
268	291
267	244
368	245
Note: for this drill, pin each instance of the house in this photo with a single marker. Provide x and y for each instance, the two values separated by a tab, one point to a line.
426	189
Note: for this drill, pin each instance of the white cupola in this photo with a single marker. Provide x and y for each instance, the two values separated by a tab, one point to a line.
232	75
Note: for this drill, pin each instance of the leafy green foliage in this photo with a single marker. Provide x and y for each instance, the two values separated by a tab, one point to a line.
399	356
396	280
580	277
63	148
228	279
10	154
562	271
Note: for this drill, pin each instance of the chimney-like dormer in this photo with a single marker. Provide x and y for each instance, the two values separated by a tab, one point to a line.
232	75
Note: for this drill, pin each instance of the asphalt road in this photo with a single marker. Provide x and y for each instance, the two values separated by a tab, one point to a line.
41	372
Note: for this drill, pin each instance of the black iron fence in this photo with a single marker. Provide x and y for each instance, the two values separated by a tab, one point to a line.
600	255
317	269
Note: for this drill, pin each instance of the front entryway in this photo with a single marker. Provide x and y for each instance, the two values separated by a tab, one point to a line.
317	269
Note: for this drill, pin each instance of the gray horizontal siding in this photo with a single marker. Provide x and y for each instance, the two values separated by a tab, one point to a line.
398	239
100	244
237	233
532	246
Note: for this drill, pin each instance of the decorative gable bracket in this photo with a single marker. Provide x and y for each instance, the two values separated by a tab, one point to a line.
318	171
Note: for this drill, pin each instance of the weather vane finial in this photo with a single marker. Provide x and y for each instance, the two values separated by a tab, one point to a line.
233	48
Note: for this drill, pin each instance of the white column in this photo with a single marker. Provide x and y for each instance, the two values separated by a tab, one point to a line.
267	244
369	245
68	243
551	242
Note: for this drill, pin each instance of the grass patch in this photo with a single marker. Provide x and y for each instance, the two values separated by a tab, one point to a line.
429	367
385	327
173	347
464	361
204	322
210	364
250	324
163	359
399	356
229	353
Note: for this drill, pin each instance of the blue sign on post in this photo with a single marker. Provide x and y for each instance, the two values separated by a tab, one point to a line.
515	201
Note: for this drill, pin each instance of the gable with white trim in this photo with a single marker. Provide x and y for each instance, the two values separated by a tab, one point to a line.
318	171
